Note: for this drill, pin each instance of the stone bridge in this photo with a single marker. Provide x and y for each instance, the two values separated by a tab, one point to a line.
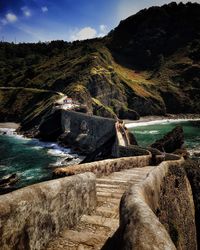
120	203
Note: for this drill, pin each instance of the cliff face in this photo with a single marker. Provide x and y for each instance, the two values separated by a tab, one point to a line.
165	42
80	131
148	65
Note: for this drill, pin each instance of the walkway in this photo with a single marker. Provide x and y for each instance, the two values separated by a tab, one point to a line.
93	230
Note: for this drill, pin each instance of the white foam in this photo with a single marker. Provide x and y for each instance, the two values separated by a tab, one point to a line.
165	121
8	131
12	132
56	152
53	148
145	132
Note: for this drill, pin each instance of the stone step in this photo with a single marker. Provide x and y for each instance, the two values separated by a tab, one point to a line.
133	174
110	195
127	182
101	221
108	212
113	182
147	168
103	199
109	186
128	177
109	204
93	230
110	190
71	240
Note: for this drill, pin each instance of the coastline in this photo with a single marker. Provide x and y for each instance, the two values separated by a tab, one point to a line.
148	120
10	125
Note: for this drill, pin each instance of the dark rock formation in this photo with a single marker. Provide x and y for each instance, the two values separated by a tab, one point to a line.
104	151
129	114
151	34
175	211
192	169
132	139
51	127
171	141
10	180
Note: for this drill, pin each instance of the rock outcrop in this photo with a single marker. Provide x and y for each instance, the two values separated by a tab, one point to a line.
171	141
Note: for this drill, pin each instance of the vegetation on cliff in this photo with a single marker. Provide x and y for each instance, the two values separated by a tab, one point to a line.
148	65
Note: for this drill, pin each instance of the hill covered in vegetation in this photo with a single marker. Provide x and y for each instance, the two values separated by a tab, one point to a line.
148	65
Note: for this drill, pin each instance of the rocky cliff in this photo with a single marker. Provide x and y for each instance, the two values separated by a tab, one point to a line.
148	65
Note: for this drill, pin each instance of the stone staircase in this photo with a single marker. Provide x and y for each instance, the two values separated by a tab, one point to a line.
93	230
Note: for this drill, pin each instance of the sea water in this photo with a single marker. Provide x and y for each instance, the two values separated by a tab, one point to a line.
32	160
148	132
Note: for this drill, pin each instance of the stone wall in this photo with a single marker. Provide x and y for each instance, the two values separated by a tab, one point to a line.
158	213
105	167
30	216
84	132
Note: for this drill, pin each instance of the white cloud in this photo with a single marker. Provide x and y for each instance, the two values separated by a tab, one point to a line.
11	18
26	11
44	9
84	33
103	30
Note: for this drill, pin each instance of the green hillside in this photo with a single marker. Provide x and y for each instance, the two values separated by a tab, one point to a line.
148	65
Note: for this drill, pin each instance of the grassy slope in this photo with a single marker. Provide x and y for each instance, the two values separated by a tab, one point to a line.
99	74
25	105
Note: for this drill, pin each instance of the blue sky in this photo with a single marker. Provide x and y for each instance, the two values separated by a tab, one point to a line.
46	20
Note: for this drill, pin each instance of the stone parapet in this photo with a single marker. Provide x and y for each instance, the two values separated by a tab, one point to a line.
105	167
159	212
30	216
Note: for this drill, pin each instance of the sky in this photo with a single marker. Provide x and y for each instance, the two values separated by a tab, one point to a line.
68	20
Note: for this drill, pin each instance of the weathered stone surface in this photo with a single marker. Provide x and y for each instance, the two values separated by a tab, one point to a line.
171	141
192	169
176	209
86	133
93	230
140	228
105	167
29	217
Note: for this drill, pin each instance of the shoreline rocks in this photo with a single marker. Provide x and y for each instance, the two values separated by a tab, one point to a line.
171	141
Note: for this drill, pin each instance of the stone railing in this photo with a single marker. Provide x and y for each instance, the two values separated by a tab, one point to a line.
158	213
105	167
30	216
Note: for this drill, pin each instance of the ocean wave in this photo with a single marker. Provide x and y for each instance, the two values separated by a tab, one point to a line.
145	132
66	162
12	132
57	152
54	148
165	121
7	131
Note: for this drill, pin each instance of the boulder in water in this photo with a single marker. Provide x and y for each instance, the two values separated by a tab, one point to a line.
171	141
9	181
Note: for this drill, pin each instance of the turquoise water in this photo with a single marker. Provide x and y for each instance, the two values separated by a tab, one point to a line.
147	134
31	160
